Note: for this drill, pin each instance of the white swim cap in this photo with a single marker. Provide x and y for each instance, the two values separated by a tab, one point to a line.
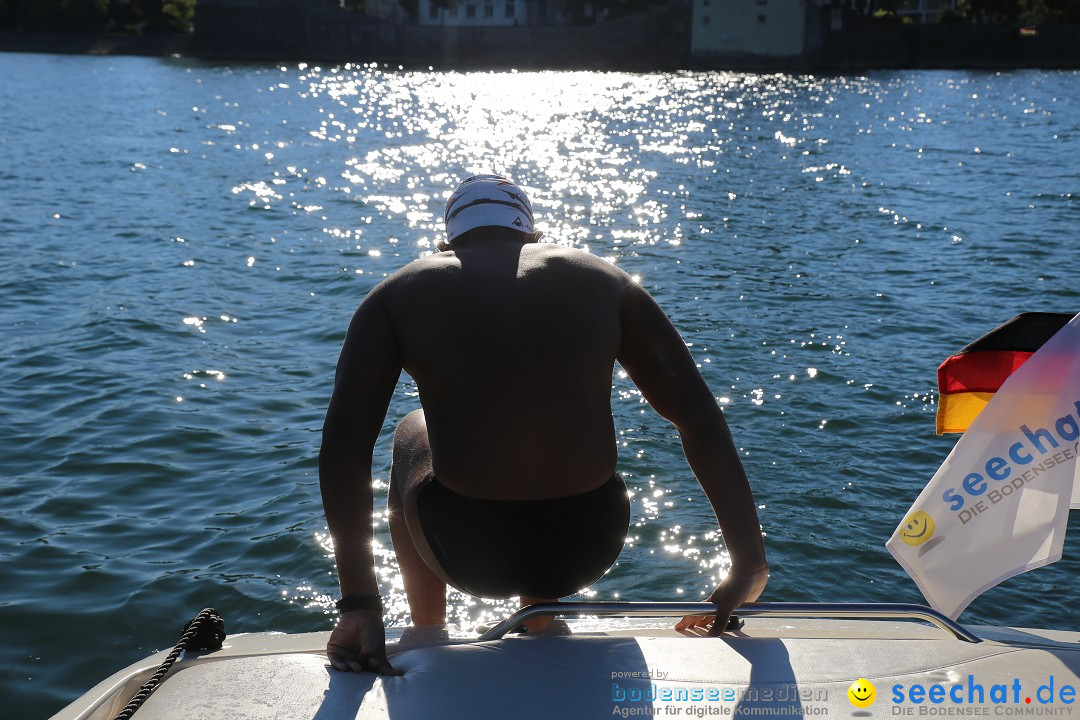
485	200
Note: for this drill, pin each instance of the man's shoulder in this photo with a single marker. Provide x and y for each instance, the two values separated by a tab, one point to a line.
558	263
427	266
561	256
432	262
407	282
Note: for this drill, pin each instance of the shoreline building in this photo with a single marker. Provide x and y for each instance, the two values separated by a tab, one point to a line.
471	12
769	29
794	33
489	13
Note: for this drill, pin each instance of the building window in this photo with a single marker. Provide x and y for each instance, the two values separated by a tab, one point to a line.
453	11
761	19
510	9
433	11
704	19
470	10
489	10
705	2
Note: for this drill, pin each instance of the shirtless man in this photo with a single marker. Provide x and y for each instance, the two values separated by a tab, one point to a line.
504	484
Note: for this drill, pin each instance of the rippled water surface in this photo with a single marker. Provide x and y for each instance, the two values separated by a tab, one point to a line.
182	245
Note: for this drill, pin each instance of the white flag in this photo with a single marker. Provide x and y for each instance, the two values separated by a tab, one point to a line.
999	504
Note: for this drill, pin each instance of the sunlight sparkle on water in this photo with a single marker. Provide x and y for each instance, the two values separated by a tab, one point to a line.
552	132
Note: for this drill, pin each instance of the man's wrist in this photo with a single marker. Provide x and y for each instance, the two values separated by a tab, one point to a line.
360	602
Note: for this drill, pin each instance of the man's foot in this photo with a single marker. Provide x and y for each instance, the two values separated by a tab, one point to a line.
424	635
551	627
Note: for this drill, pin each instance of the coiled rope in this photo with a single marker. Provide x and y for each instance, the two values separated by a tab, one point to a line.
206	631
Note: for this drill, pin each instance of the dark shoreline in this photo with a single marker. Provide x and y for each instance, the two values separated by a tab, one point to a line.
96	44
929	47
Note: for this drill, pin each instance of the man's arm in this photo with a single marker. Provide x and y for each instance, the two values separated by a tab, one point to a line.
654	355
367	371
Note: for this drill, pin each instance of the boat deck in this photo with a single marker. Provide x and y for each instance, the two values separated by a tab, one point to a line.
627	667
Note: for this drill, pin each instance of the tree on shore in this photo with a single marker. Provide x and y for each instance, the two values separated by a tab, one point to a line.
150	16
1020	12
992	12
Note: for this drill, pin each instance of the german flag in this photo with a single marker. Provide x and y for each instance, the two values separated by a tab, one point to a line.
967	380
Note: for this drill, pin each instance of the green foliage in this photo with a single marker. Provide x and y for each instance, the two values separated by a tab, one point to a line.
1020	12
127	14
1054	11
178	15
1033	12
24	14
949	16
85	14
1013	12
997	12
160	16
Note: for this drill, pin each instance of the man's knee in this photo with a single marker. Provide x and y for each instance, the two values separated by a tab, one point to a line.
411	433
411	456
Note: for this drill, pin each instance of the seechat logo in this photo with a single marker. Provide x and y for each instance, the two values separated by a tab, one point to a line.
862	693
974	693
917	528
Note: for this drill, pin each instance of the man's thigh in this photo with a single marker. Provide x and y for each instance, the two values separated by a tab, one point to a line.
410	471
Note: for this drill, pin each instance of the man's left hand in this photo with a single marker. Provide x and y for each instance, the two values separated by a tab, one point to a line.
358	643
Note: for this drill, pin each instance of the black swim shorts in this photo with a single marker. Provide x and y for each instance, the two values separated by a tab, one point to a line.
540	548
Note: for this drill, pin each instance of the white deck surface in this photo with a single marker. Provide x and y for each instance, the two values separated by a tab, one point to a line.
773	668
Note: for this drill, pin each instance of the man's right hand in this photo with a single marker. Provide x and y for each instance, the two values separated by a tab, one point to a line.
358	643
729	594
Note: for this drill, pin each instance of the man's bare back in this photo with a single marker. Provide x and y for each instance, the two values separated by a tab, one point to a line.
512	345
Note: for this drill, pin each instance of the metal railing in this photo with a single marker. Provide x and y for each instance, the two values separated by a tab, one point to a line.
890	611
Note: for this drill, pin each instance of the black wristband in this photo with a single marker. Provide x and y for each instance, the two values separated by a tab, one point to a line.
359	602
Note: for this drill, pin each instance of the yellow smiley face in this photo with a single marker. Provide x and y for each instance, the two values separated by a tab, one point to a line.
916	528
862	693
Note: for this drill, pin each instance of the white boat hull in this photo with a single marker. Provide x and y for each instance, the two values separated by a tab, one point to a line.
621	668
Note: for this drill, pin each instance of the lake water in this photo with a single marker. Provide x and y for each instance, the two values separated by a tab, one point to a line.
182	245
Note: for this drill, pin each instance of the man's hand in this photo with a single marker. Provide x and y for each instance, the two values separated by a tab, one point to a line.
730	594
358	643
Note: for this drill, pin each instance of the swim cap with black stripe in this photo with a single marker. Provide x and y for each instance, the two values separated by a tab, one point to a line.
485	200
